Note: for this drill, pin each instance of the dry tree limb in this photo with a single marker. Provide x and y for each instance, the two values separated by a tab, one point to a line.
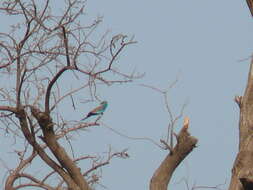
184	146
58	151
36	62
238	100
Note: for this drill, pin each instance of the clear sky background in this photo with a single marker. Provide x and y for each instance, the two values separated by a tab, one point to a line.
202	42
207	45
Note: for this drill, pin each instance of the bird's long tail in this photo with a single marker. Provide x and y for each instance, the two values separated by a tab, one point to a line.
84	118
89	114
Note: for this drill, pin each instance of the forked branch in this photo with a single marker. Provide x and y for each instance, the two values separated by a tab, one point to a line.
184	146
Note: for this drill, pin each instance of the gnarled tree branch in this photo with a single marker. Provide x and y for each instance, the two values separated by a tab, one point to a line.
60	154
184	146
25	129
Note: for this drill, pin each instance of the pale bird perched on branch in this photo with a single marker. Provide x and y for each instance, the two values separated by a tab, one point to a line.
98	110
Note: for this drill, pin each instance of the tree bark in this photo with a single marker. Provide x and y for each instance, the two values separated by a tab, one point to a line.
60	154
185	144
242	171
250	5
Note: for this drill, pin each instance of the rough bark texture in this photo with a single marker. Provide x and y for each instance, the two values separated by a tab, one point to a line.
250	5
163	174
242	171
66	162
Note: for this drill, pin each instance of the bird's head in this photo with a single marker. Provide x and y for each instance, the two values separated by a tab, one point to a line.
103	103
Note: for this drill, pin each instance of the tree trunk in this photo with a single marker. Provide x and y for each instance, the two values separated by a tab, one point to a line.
242	172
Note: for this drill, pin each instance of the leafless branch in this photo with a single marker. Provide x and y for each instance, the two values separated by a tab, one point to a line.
133	138
172	119
122	154
35	62
66	45
123	44
50	85
238	100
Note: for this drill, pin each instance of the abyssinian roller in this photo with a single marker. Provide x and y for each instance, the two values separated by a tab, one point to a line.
98	110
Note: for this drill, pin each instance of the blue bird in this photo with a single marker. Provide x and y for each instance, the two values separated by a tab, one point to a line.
98	110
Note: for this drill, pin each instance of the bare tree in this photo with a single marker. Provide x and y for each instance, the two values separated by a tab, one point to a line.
35	54
178	151
242	175
44	50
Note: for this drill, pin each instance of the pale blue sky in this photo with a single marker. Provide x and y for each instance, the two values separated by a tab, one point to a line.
200	41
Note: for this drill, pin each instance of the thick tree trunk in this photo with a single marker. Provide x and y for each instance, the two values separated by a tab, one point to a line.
60	154
242	172
185	144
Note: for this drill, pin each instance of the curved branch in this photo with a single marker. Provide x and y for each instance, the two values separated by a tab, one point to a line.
37	183
8	108
32	185
114	56
55	78
52	82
